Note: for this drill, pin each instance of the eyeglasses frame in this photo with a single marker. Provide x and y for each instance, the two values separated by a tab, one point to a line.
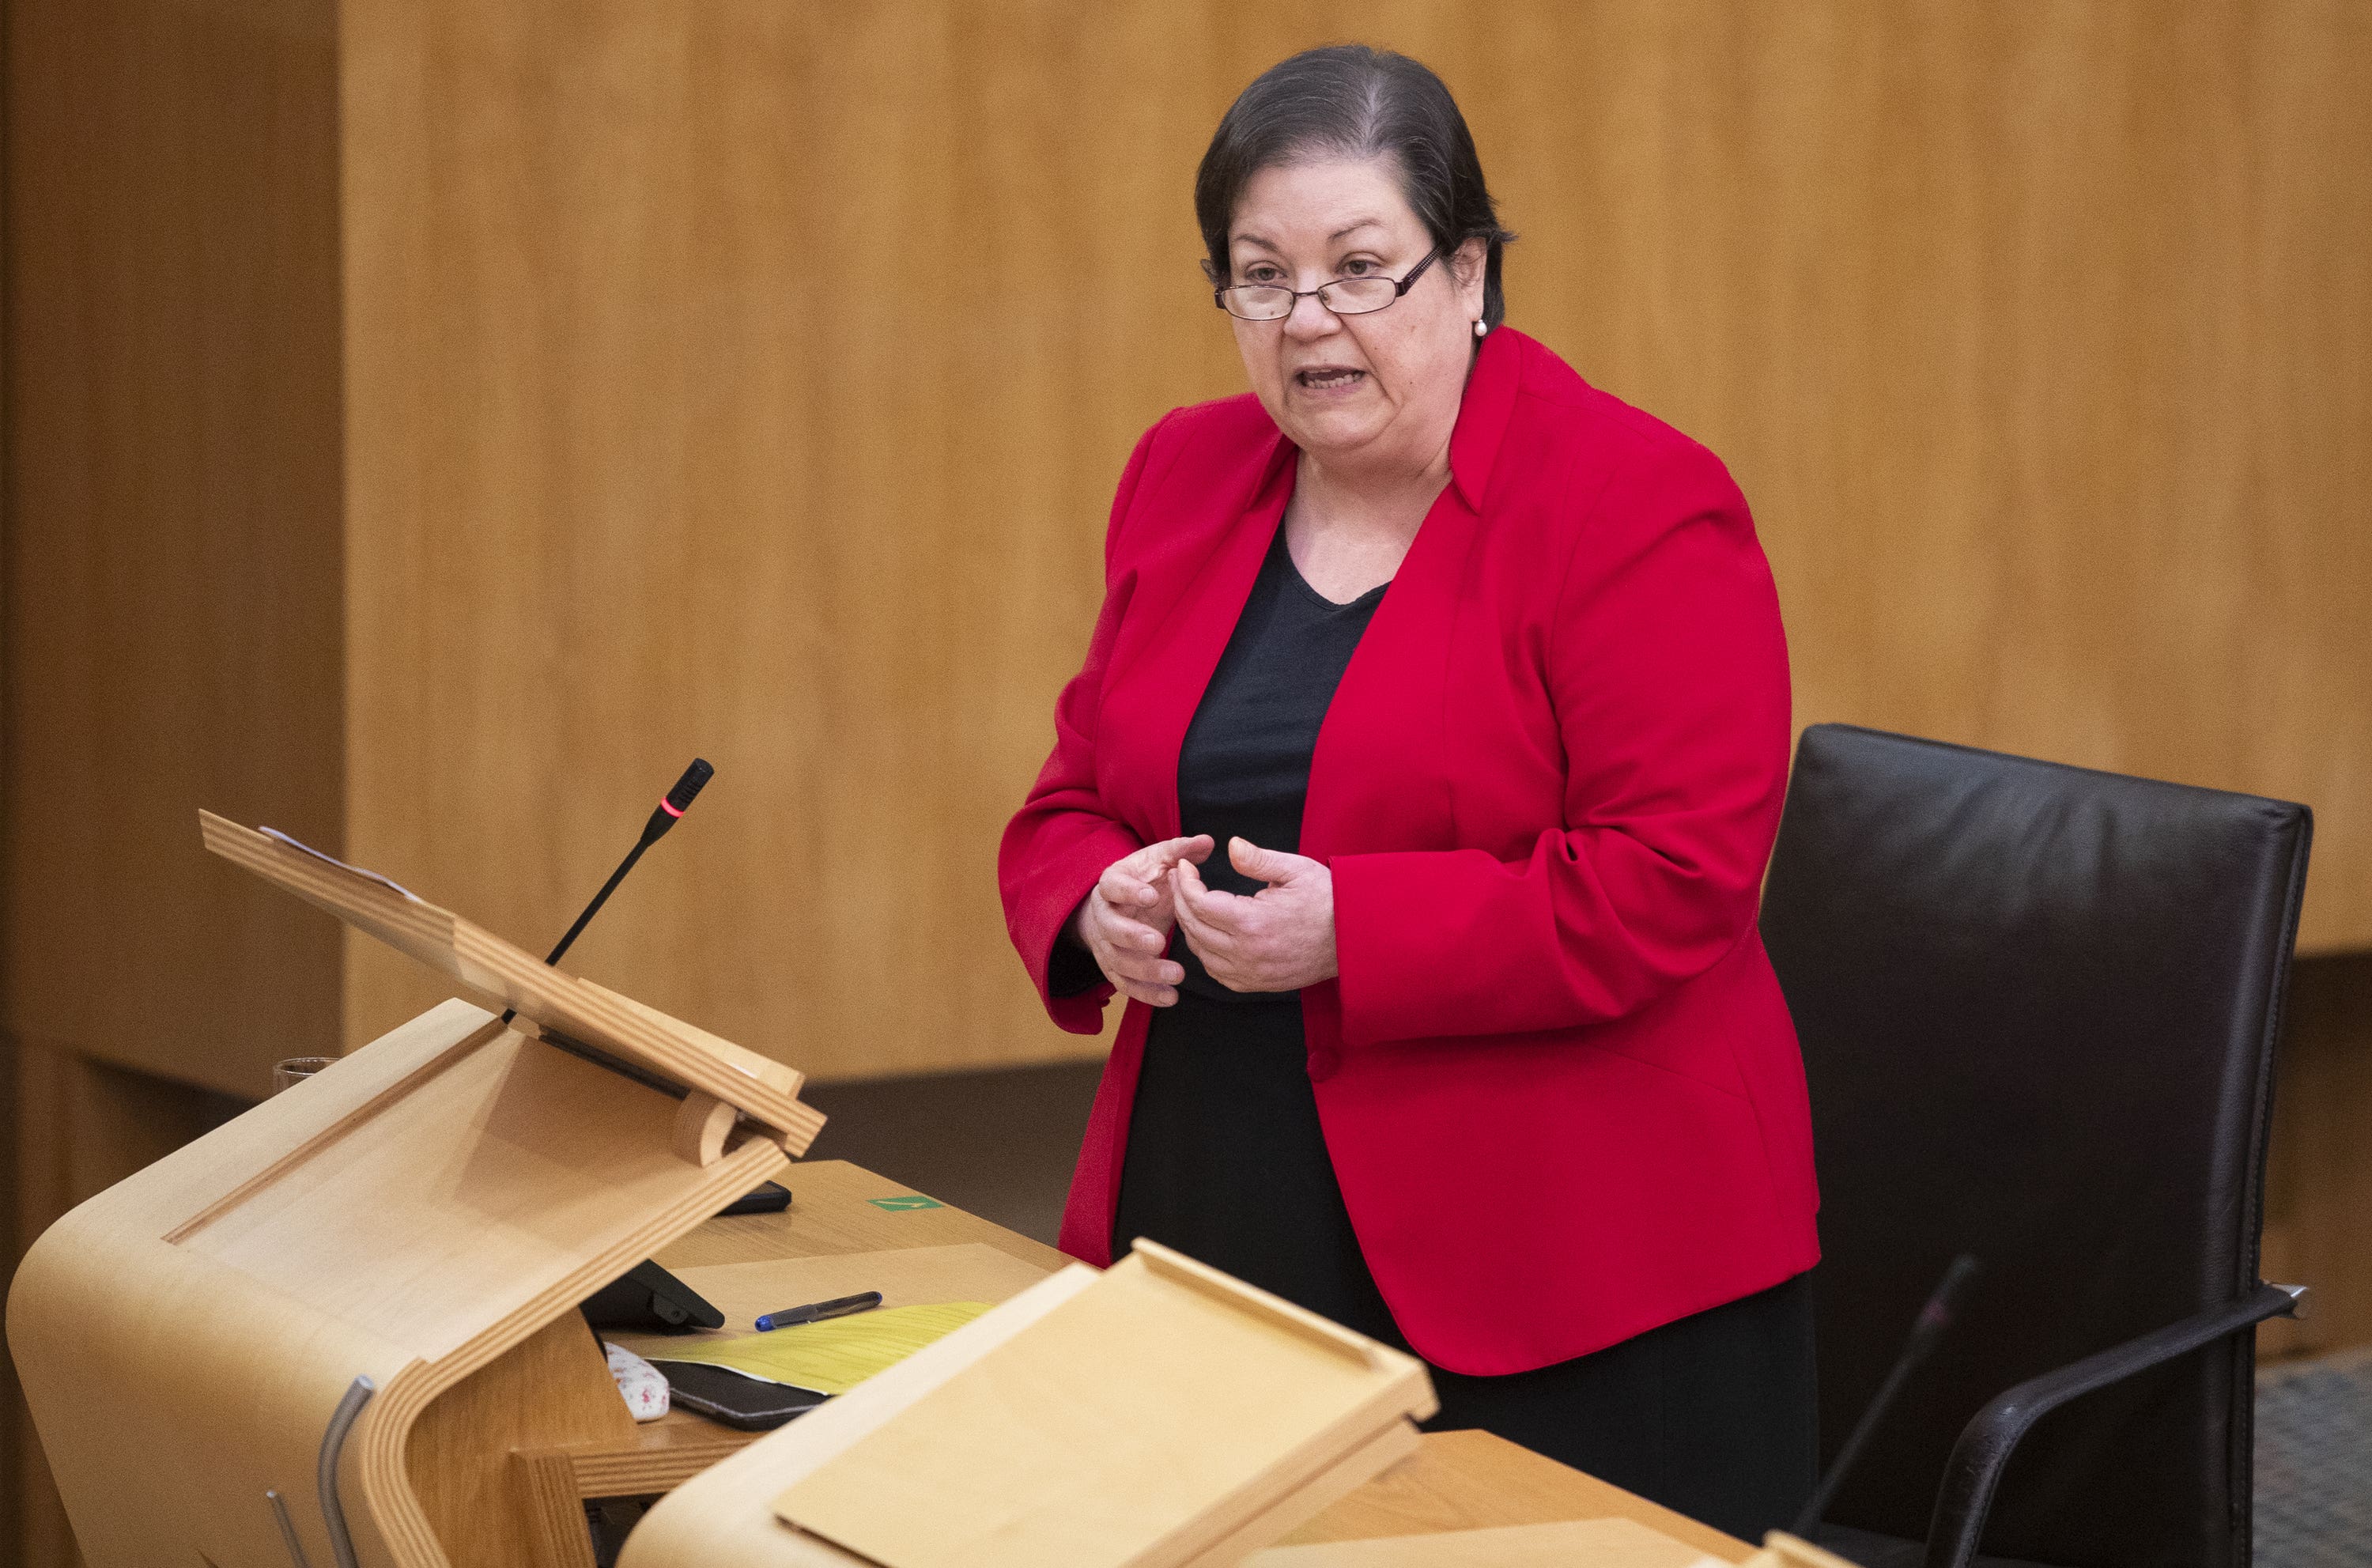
1400	285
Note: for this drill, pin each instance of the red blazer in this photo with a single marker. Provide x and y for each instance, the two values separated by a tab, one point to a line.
1557	1079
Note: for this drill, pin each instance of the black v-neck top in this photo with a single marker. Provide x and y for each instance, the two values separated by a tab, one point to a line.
1225	1160
1243	771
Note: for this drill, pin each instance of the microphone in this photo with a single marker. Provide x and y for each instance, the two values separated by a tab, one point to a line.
1933	1321
666	815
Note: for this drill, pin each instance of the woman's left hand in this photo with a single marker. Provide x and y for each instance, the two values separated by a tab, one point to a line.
1280	938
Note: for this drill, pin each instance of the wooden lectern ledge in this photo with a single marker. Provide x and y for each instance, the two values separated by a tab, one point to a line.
229	1355
574	1010
1156	1414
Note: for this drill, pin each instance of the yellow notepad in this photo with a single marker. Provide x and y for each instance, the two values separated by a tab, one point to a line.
835	1355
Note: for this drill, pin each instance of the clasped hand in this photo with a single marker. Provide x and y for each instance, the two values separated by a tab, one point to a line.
1280	938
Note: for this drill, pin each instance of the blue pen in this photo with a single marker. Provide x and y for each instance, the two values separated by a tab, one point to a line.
816	1311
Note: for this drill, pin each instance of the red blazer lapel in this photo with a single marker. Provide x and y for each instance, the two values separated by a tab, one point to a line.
1154	694
1376	777
1379	775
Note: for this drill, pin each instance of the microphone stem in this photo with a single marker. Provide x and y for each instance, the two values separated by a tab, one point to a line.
1929	1328
591	910
1826	1492
599	899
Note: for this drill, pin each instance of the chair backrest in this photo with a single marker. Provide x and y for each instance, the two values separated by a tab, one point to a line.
2037	1006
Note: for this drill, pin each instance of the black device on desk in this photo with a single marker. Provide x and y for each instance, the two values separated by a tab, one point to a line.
766	1198
751	1404
650	1300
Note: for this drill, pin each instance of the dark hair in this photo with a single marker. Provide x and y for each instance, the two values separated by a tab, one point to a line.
1352	100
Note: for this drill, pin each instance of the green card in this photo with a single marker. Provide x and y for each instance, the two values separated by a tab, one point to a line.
911	1200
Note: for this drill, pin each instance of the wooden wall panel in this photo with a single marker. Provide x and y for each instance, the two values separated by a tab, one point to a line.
171	594
173	597
2040	337
2318	1186
728	378
750	378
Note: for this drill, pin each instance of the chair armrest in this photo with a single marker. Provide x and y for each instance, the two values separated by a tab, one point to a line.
1975	1467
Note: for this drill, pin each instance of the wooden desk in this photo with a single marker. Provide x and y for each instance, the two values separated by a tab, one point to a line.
833	1210
1456	1480
1473	1480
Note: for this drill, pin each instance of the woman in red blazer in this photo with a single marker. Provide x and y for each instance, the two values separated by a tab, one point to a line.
1416	792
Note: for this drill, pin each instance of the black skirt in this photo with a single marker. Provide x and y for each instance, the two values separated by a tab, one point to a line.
1713	1415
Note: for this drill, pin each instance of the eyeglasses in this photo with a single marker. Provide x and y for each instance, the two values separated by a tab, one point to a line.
1344	296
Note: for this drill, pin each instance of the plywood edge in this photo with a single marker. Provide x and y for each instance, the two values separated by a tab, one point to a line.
583	1011
1304	1500
778	1075
1366	1426
136	1357
1613	1540
1325	1467
177	1193
626	1470
376	1462
410	924
764	1090
1207	1281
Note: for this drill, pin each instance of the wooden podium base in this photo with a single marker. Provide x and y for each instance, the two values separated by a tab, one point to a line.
313	1336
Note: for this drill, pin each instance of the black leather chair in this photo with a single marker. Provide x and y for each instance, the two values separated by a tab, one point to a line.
2037	1006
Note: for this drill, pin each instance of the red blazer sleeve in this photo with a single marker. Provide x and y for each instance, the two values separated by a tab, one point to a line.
1062	839
1667	670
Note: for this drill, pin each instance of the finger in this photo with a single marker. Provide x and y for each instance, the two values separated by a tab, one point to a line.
1151	995
1198	848
1263	865
1127	936
1157	858
1186	887
1123	890
1185	897
1222	912
1145	971
1193	902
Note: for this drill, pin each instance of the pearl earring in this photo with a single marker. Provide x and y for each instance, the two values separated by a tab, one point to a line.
1480	329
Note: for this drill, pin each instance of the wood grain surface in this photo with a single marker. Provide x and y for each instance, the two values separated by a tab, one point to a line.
1454	1480
1139	1421
837	1213
173	631
415	1214
1471	1480
2318	1174
838	1208
623	382
577	1010
552	1389
750	380
1600	1543
1028	1428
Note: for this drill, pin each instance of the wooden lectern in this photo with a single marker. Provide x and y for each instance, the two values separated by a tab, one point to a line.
1158	1415
312	1337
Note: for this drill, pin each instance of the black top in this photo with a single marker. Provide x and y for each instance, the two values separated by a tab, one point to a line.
1225	1159
1244	769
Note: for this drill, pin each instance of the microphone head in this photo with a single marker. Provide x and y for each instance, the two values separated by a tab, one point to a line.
1945	1304
689	787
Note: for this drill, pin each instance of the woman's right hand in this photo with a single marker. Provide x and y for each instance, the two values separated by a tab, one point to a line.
1125	922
